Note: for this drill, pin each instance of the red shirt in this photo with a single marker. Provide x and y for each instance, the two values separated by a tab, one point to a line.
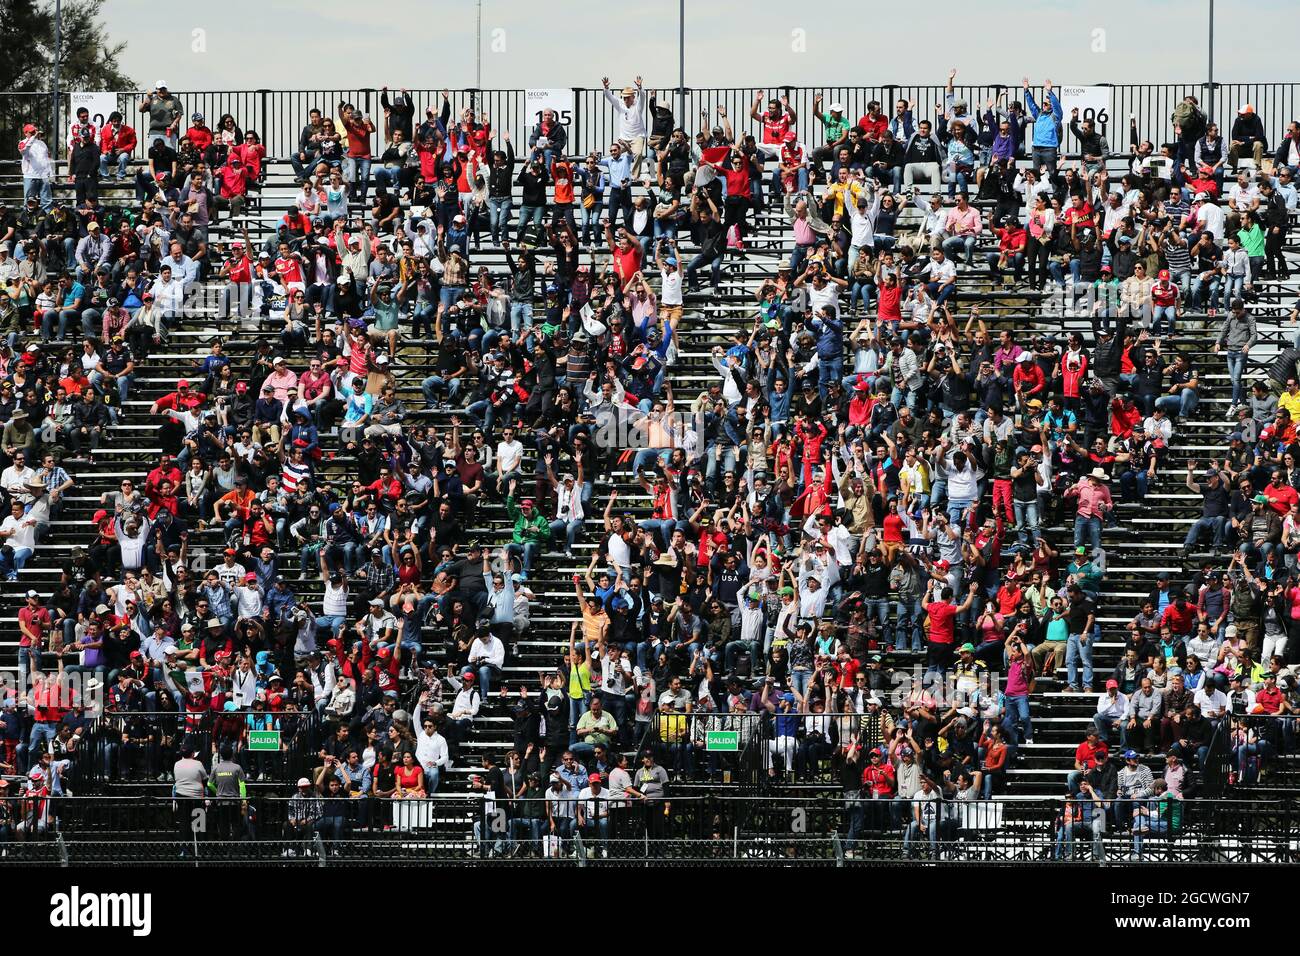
874	128
290	269
894	528
774	131
941	615
889	300
200	137
1268	700
627	262
37	620
1090	756
1281	497
1178	620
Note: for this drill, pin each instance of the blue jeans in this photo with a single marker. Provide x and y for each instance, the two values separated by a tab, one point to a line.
120	158
1201	525
1017	723
528	215
1077	648
12	563
955	244
908	615
521	316
1236	369
43	731
699	262
1232	287
1026	520
1089	528
499	217
829	369
1044	156
914	833
528	550
39	187
1183	404
570	531
357	171
434	383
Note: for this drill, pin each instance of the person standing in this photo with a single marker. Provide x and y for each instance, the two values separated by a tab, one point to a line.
1236	338
38	168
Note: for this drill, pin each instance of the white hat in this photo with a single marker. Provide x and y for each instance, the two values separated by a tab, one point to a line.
836	107
304	782
1099	474
160	85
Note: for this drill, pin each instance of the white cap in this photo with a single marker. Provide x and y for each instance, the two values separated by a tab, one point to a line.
304	782
836	107
160	85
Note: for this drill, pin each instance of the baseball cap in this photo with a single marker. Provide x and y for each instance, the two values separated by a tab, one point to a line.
304	782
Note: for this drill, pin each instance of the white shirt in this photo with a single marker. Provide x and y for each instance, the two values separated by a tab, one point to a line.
509	454
430	750
248	600
631	119
670	290
1212	703
36	159
230	574
829	294
619	554
24	532
491	649
335	601
16	480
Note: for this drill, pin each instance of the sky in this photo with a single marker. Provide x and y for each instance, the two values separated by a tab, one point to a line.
250	44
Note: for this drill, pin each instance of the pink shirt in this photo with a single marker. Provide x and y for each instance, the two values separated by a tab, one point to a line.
285	383
1093	499
966	223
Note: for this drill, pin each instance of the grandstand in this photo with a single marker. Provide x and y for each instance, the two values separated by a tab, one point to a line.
1232	806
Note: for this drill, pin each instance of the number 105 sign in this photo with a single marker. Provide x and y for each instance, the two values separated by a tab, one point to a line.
1092	102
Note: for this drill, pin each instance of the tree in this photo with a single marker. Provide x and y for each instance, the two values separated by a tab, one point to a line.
88	60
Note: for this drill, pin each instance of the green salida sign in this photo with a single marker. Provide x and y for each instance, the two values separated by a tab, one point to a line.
722	740
264	740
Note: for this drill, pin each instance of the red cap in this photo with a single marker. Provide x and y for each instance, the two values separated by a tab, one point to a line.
250	576
385	653
594	778
183	383
468	678
29	129
241	387
1164	274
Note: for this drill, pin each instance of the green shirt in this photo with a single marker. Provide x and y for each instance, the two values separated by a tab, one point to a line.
603	727
387	315
1057	629
1252	240
835	128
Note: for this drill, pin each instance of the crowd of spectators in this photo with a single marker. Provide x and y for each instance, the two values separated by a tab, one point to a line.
873	472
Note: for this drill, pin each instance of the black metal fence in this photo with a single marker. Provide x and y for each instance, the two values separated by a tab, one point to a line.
143	747
786	830
279	115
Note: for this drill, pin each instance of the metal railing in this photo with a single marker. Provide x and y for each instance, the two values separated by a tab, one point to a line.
823	830
143	747
279	115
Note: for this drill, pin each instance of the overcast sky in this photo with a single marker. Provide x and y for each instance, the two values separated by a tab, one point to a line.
292	44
